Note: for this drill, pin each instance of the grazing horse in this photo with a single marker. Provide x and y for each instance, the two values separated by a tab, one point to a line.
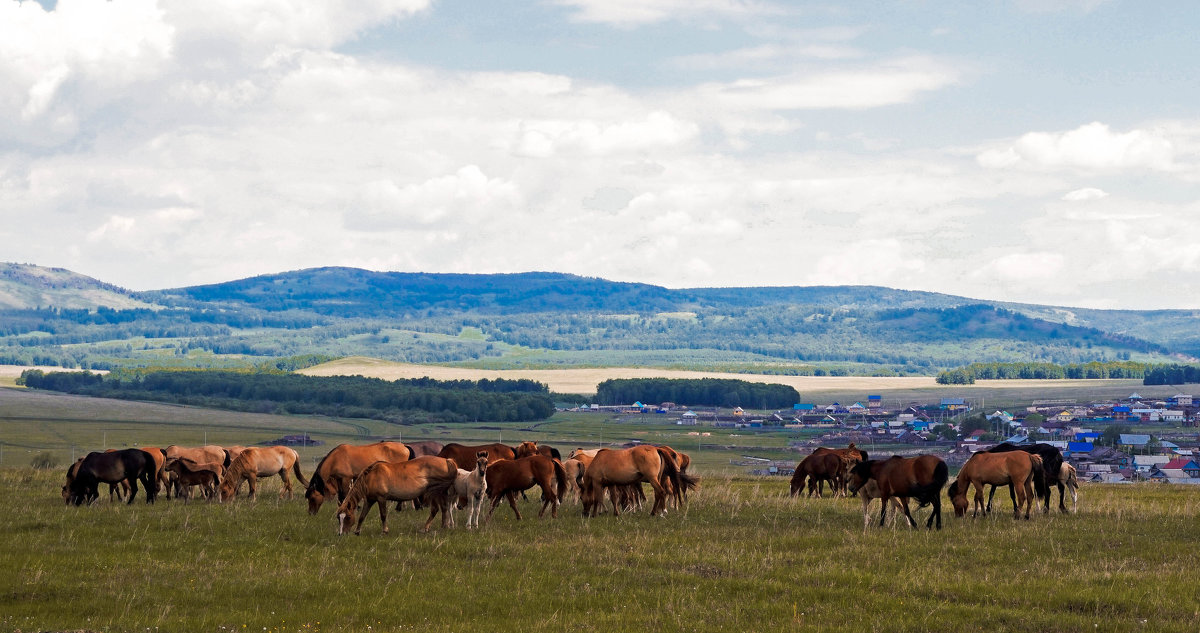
507	477
921	478
682	461
337	470
425	447
189	473
428	477
199	454
634	465
1069	479
469	488
870	491
464	456
117	491
817	468
113	467
261	461
1052	460
1013	469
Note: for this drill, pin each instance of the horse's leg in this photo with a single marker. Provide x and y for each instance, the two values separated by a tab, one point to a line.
907	513
979	500
883	500
512	501
252	481
1062	506
383	512
991	496
287	484
434	505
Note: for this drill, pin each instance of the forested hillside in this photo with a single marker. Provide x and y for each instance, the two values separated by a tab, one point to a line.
550	319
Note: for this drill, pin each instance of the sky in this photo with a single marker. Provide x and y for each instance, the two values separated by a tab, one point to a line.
1041	151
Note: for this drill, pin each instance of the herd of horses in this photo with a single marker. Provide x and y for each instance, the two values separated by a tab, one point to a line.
1028	471
359	477
451	476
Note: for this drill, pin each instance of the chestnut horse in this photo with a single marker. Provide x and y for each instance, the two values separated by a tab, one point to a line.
525	449
424	477
131	464
464	456
200	454
337	470
817	468
1052	460
1013	469
469	488
189	473
921	478
621	467
261	461
507	477
425	447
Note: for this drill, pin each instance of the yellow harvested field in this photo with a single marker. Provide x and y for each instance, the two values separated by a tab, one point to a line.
585	380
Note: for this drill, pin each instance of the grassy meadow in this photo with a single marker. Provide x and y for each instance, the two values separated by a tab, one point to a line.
741	557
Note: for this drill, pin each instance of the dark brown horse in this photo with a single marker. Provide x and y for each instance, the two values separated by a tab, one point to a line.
921	478
427	477
507	477
130	464
337	470
816	469
621	467
464	456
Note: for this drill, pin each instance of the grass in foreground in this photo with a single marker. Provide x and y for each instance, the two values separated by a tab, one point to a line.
742	557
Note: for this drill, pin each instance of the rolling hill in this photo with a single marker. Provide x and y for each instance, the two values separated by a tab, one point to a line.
553	320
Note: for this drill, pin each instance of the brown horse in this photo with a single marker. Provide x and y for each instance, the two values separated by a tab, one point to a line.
507	477
116	491
1013	469
525	449
261	461
425	447
464	456
337	470
200	454
921	478
645	463
189	473
424	477
817	468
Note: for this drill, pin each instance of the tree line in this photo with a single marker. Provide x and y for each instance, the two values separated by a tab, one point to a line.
1172	375
1043	371
709	392
403	401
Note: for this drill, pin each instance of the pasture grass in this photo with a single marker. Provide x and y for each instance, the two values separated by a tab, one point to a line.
741	556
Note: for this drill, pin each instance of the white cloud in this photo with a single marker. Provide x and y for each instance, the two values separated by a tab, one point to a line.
1090	147
1087	193
631	13
880	84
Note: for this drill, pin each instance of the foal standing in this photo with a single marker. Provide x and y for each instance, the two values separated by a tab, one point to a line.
470	486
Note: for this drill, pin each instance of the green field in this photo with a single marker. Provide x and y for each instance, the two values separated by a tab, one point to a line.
741	557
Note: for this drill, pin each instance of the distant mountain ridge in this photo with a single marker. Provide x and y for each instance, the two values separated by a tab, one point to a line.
556	318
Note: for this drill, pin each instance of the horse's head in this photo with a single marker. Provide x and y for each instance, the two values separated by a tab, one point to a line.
345	517
228	489
859	474
958	497
525	449
315	499
481	461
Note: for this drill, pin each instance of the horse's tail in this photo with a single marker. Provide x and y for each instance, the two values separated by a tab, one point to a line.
671	471
930	492
560	476
228	461
555	453
296	470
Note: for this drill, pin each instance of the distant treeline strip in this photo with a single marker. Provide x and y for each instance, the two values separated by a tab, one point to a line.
1151	374
408	400
709	392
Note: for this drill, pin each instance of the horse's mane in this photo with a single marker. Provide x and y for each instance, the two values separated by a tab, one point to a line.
317	482
235	469
358	490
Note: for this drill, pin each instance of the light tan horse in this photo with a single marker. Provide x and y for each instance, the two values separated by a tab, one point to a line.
337	470
425	477
622	467
261	461
574	469
1070	479
1015	468
469	488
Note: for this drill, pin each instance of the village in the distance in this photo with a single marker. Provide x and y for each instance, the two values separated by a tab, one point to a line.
1119	441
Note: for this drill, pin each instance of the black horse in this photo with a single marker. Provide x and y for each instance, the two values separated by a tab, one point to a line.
1052	460
132	465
